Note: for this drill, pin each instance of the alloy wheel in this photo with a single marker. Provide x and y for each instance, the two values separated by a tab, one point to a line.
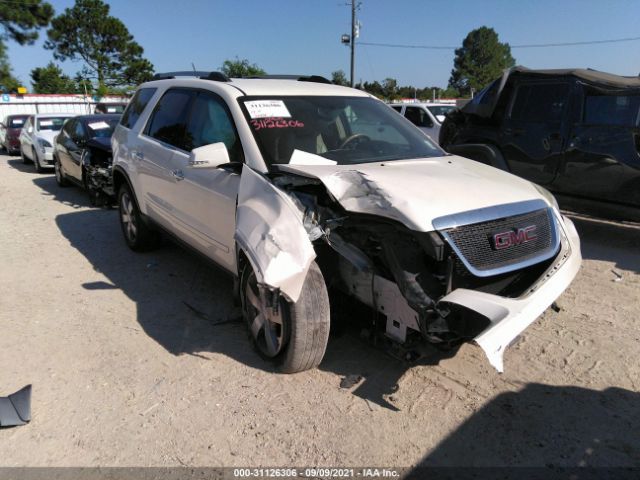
128	218
267	325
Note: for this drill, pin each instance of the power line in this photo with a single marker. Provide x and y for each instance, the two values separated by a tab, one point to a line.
532	45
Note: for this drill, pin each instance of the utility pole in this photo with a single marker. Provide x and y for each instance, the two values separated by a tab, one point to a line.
353	39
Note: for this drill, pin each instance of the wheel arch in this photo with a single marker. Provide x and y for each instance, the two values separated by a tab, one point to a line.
485	152
120	177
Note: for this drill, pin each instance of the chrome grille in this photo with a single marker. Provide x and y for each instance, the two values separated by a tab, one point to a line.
475	246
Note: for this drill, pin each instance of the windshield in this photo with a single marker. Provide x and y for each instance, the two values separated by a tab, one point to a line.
51	123
102	128
343	130
441	109
110	108
17	122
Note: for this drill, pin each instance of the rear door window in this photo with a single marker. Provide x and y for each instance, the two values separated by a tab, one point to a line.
136	107
168	122
622	110
418	116
540	103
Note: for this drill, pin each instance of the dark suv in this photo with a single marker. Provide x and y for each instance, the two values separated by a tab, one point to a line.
576	132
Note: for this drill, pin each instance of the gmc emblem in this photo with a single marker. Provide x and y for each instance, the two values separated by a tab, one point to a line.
514	237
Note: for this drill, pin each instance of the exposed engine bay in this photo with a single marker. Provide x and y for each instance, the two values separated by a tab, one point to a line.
97	161
427	284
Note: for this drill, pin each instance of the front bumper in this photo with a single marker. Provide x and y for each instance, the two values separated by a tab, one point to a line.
47	156
13	144
510	316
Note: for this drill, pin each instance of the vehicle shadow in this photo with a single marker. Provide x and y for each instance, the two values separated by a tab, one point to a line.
19	165
544	426
73	196
609	241
186	304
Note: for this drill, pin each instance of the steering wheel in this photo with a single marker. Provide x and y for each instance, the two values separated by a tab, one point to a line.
356	137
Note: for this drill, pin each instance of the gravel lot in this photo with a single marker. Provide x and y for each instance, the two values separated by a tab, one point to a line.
124	373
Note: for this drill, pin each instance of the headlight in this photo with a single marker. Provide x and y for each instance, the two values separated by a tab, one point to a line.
43	143
548	196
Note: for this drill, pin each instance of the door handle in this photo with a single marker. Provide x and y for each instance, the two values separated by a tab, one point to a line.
137	155
177	174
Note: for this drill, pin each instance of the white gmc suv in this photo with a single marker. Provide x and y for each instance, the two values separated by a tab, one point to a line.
298	187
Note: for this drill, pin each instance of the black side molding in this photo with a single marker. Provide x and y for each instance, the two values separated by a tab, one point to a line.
16	408
215	76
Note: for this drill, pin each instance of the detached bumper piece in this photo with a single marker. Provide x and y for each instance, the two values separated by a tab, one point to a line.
510	316
16	408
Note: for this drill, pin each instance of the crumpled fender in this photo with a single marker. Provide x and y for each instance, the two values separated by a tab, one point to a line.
270	231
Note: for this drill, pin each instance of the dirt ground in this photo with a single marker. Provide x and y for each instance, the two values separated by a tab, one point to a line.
124	373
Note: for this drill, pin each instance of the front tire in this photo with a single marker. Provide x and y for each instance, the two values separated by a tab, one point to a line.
23	156
36	162
61	180
295	337
138	235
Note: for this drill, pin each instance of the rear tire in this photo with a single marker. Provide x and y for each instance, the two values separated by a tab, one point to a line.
302	333
138	235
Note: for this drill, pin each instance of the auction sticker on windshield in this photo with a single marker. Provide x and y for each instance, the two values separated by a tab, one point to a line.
267	109
99	125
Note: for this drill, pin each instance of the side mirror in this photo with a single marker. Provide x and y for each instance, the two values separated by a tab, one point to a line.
209	156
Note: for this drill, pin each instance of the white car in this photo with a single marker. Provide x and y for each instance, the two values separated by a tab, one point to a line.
37	137
426	116
298	187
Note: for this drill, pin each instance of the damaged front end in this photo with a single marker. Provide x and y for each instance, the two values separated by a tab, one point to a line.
444	286
96	161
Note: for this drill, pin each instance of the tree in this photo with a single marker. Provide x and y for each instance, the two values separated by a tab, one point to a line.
86	32
21	20
8	83
51	79
390	88
339	78
481	59
241	68
374	88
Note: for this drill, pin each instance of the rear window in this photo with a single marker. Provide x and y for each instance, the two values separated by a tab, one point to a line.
136	107
612	110
540	102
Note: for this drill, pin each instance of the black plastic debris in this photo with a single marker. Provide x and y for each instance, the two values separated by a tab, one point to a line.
16	408
350	380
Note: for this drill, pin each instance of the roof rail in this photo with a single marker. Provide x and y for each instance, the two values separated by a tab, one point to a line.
300	78
215	76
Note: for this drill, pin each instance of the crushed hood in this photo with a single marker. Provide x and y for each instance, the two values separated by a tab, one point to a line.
100	143
415	192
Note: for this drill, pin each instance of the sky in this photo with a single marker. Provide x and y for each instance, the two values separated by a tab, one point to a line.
303	36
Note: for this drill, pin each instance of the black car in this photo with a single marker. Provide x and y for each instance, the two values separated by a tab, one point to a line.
82	155
576	132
